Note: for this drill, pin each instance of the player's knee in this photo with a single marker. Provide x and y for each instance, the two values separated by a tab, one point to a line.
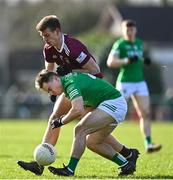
89	143
93	143
90	146
79	130
145	113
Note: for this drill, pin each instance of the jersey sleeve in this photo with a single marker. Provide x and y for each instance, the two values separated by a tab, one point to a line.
70	88
79	52
116	49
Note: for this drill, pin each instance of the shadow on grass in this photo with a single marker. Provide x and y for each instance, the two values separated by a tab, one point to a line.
5	156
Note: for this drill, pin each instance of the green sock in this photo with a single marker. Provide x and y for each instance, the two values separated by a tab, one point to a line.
147	141
73	163
118	159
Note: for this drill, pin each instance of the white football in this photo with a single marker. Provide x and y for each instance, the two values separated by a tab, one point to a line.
45	154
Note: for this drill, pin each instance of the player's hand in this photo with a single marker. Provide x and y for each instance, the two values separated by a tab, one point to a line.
63	70
53	98
133	59
147	61
55	123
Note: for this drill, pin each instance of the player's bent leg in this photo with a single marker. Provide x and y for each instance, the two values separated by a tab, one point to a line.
99	128
97	143
131	154
116	145
142	105
117	109
90	123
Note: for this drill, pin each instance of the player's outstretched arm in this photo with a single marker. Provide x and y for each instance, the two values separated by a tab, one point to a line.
76	111
115	62
90	67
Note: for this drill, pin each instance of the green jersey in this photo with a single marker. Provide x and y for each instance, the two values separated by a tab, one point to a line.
93	90
132	72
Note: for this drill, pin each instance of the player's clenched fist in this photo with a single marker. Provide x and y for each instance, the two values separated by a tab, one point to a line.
56	123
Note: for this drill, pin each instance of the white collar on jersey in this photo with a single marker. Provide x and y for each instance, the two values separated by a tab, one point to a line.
62	45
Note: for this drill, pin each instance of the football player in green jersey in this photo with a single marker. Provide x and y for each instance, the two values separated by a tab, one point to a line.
109	109
127	54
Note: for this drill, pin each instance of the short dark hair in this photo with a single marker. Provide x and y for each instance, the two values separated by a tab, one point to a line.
129	23
43	76
50	21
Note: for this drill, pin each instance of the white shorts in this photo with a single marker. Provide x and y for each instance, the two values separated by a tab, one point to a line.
134	88
117	108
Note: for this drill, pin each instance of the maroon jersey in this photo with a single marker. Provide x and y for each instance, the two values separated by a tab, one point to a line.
72	53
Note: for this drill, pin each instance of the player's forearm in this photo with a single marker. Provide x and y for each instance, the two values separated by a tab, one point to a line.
115	62
49	66
91	67
71	115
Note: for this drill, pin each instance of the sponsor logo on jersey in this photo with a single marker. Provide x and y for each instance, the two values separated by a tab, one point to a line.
81	57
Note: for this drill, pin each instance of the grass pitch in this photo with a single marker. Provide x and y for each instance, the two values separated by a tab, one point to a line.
19	138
